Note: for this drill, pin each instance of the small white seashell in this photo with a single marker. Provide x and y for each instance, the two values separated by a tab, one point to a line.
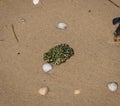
43	91
21	20
62	25
47	67
112	86
35	2
77	91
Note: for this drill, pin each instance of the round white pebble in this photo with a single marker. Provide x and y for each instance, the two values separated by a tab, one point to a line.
35	2
43	91
47	67
112	86
62	25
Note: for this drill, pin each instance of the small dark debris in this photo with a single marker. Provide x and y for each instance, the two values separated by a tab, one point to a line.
89	11
114	3
18	53
117	31
14	33
44	80
116	20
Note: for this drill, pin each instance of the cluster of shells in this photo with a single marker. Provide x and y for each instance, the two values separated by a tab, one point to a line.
112	86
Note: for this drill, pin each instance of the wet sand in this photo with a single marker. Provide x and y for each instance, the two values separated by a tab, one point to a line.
90	33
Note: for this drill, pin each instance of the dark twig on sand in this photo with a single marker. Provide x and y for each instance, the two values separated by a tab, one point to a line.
14	33
114	3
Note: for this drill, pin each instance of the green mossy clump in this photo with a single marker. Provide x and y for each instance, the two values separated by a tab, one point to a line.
58	54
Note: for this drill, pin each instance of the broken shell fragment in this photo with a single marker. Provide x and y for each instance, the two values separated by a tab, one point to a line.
76	92
35	2
43	91
112	86
62	25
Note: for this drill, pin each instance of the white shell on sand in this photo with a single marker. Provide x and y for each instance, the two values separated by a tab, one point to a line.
43	91
62	25
35	2
112	86
47	67
76	92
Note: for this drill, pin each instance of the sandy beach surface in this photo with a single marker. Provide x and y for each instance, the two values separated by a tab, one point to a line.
90	33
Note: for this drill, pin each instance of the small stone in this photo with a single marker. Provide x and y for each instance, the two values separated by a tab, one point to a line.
76	92
47	67
35	2
62	25
43	91
112	86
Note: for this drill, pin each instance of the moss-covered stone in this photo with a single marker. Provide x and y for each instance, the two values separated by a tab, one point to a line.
58	54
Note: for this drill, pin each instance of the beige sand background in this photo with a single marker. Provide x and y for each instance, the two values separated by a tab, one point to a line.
90	32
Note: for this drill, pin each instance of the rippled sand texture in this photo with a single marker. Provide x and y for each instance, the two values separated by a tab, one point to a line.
27	31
